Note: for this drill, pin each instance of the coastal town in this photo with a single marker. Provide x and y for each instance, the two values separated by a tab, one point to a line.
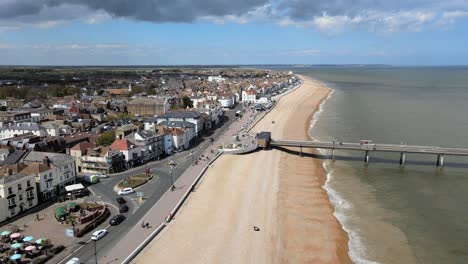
66	134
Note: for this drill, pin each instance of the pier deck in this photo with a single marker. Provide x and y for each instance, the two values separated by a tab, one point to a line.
371	146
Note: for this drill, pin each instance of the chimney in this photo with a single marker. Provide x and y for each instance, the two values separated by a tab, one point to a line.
46	161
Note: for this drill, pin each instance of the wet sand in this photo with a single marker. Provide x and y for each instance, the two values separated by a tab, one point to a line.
280	193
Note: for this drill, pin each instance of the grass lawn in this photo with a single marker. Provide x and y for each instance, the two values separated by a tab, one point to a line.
134	181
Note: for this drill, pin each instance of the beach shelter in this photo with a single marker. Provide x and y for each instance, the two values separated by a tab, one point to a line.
15	235
15	257
30	248
28	239
16	245
5	233
60	212
72	205
40	240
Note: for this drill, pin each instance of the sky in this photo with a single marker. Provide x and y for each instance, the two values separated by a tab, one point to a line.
206	32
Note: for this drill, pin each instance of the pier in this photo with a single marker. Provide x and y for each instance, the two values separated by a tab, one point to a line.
367	146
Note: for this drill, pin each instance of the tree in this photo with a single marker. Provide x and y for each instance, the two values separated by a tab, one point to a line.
187	102
106	138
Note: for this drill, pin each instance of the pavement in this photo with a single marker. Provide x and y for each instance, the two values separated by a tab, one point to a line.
157	197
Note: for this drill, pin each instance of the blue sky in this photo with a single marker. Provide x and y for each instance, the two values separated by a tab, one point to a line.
155	32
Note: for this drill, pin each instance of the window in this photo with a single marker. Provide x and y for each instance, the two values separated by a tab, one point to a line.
20	197
28	183
29	194
20	187
61	178
11	201
50	175
10	190
30	203
12	211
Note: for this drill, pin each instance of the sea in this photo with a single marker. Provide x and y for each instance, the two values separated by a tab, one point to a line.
417	213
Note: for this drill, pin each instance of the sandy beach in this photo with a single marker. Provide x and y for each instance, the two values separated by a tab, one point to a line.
280	193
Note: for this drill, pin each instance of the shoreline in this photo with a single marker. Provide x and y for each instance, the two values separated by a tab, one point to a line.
290	206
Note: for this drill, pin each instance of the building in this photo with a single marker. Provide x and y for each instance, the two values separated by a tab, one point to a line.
227	100
80	150
132	154
52	171
217	79
102	161
180	138
13	130
168	145
193	117
15	116
17	191
150	143
249	96
145	106
187	128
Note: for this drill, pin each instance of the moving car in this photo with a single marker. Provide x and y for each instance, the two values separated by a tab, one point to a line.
126	191
117	219
121	200
73	261
99	234
123	208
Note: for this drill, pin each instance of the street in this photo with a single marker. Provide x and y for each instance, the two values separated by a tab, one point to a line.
152	192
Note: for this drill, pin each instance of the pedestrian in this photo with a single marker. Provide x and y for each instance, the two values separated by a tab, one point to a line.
37	217
143	224
147	225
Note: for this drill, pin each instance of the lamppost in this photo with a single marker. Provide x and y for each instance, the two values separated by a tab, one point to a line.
95	251
191	155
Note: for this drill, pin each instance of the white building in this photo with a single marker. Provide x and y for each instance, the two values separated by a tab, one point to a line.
133	154
17	191
227	100
263	100
217	79
249	96
52	172
12	130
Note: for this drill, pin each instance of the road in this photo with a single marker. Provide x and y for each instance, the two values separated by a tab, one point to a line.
104	191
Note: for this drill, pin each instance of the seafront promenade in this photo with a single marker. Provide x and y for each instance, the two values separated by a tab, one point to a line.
280	193
160	211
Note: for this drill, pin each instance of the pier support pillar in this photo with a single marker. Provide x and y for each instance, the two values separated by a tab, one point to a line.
333	154
366	158
440	160
402	159
300	152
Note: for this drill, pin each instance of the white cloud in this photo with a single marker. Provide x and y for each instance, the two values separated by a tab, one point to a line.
374	21
304	52
450	17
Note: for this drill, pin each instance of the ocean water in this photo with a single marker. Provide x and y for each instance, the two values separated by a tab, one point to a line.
414	214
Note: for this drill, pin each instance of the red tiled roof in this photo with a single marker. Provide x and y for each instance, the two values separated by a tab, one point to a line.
120	144
251	91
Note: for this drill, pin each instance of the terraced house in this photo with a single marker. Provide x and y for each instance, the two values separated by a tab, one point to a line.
17	190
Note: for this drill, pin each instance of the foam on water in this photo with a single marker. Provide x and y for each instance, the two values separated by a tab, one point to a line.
341	206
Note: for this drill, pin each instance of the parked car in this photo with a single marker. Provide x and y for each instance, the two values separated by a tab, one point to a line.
123	208
121	200
73	261
99	234
102	175
126	191
117	219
